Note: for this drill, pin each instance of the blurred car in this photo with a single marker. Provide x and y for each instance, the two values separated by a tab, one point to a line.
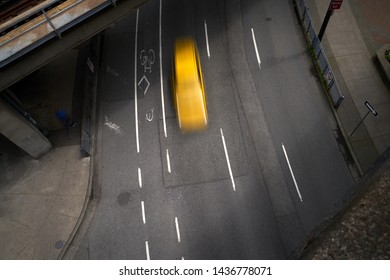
188	88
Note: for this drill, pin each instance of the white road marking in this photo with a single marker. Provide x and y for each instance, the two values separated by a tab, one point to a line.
139	177
144	79
113	126
207	39
161	74
292	173
178	115
228	161
147	250
149	116
143	211
135	82
168	162
257	52
177	229
147	59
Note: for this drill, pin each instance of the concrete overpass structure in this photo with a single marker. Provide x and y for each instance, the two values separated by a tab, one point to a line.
36	37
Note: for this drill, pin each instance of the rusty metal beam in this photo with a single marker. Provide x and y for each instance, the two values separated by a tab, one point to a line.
44	27
37	58
23	16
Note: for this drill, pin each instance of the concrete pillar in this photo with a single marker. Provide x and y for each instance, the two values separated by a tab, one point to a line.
21	132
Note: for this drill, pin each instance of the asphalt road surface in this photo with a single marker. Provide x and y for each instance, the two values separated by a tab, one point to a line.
256	183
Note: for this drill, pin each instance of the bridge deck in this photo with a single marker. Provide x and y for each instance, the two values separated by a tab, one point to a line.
43	21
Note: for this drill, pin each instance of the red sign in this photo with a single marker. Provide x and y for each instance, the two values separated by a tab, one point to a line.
335	4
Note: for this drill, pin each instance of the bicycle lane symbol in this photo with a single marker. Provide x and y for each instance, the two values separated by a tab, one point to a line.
149	116
147	59
144	84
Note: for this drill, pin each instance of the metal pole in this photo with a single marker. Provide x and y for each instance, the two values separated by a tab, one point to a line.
359	124
325	23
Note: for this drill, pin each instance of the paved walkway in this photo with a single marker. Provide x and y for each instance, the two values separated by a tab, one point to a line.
42	201
356	72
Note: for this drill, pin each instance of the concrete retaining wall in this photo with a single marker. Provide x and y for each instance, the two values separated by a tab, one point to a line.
21	132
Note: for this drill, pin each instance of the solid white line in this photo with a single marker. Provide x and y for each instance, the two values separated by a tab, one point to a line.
139	177
135	82
168	162
143	212
257	52
147	250
161	74
177	229
292	173
228	161
207	39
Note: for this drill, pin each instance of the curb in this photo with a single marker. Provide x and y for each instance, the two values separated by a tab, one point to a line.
89	194
326	91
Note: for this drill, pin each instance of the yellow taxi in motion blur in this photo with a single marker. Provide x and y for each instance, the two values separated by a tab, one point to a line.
188	88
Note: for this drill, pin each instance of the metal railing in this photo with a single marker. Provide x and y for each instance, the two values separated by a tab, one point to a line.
46	26
27	15
319	54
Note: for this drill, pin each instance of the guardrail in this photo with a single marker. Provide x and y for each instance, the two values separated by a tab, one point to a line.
10	20
90	91
319	53
46	26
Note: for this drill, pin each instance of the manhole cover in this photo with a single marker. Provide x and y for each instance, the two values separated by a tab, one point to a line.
124	198
59	244
174	193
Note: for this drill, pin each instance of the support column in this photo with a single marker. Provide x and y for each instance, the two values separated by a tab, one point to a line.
21	132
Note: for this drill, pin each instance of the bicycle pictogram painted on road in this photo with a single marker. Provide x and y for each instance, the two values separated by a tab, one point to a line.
147	59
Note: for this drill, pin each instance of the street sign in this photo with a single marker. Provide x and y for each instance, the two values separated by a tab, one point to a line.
371	109
368	105
335	4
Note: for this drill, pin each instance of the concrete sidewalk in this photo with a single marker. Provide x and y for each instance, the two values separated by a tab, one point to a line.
42	201
357	74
